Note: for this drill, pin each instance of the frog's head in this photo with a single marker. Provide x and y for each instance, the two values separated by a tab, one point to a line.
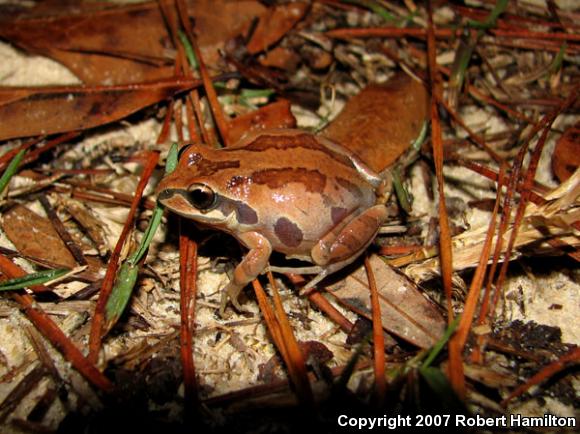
197	189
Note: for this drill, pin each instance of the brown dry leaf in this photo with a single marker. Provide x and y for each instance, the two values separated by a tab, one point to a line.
381	121
123	44
281	58
566	157
91	225
108	46
33	235
275	24
274	115
48	110
404	309
217	21
315	353
491	377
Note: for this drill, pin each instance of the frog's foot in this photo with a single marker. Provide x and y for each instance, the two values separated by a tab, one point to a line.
306	289
231	294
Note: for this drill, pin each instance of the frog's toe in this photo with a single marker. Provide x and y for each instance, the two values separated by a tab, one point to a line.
231	295
306	289
223	304
237	306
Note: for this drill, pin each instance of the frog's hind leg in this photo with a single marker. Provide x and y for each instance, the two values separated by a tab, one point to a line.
337	249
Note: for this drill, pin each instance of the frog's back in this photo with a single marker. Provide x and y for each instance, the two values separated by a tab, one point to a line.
307	187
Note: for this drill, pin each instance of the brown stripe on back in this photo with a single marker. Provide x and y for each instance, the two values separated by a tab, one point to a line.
290	141
207	167
313	180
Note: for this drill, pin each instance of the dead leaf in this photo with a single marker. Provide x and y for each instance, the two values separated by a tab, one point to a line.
381	121
281	58
105	46
495	377
566	157
316	58
91	225
274	115
33	235
48	110
275	24
315	353
405	311
217	21
110	45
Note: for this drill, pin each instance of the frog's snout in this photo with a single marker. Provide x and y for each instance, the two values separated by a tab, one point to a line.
167	193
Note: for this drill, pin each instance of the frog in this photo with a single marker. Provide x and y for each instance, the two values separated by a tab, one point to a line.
284	190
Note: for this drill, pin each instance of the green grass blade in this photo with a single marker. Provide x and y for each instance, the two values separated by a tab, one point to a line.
418	142
441	343
557	63
351	365
32	279
11	170
171	162
446	398
256	93
461	62
129	270
147	236
400	190
170	165
121	293
491	19
376	8
188	51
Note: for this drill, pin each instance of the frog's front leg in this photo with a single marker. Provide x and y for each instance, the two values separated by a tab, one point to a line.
340	247
248	269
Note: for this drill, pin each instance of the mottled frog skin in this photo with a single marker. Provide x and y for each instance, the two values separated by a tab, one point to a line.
283	190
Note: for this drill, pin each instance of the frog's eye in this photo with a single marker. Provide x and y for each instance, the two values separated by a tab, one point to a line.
182	151
201	197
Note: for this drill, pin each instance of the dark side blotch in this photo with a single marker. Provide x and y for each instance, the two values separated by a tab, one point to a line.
288	232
